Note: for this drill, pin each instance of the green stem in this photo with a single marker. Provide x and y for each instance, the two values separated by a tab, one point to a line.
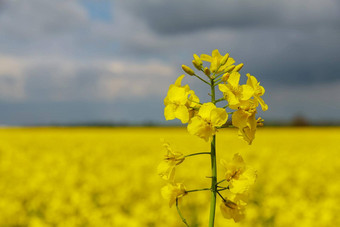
213	183
221	181
213	168
221	196
194	101
218	75
222	189
202	79
225	106
180	214
217	82
198	190
219	100
196	154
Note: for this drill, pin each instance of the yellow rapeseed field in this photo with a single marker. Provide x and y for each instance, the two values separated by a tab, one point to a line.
107	177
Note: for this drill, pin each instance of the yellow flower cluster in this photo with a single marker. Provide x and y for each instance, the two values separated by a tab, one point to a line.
244	99
239	178
204	119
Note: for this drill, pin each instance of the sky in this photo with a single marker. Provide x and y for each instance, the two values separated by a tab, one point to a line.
69	62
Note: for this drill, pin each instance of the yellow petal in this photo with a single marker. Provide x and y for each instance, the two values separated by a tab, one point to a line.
216	54
169	112
186	88
179	81
247	92
223	88
205	110
177	95
234	79
231	210
197	126
214	64
182	113
166	170
262	103
218	117
205	57
240	186
230	61
247	134
240	118
252	81
233	101
166	101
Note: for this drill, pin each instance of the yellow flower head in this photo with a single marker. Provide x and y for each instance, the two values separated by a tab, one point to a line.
244	119
233	92
207	119
234	207
180	101
173	191
166	169
239	176
216	60
258	91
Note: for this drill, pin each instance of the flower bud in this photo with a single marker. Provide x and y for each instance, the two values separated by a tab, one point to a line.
224	59
238	67
188	70
225	77
229	68
197	62
206	71
197	66
197	59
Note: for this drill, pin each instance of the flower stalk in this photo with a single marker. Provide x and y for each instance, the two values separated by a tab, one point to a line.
213	168
180	214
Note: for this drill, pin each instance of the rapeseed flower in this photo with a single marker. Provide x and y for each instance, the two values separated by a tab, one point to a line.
180	102
244	119
233	92
239	176
234	206
166	169
173	191
204	123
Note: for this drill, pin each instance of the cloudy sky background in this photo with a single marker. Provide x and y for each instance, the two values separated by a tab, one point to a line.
112	61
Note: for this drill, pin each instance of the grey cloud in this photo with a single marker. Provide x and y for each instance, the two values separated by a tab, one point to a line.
173	17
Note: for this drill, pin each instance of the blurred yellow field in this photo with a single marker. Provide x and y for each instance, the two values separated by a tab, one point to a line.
107	177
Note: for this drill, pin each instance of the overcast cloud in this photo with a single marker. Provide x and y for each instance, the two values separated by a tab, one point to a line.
73	61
